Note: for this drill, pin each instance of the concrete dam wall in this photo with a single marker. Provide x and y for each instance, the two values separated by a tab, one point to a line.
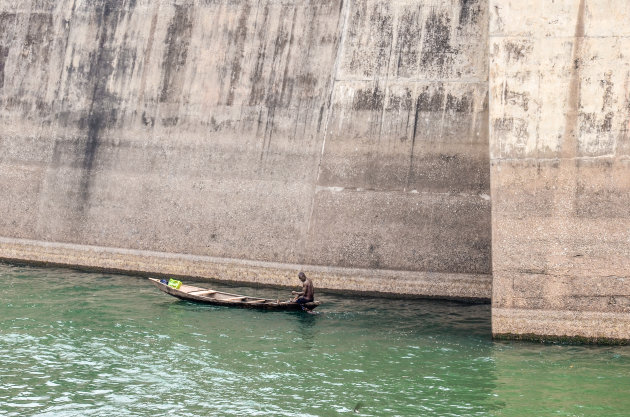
560	152
246	140
362	141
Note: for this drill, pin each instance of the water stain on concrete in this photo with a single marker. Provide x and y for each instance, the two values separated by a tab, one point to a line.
408	38
520	99
437	51
470	11
238	39
176	54
430	101
368	100
148	50
257	91
517	50
6	21
4	53
98	116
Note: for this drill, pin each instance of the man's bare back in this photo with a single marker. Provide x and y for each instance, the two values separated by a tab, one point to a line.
308	290
307	294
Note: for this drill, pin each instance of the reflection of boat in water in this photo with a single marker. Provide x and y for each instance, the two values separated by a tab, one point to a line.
220	298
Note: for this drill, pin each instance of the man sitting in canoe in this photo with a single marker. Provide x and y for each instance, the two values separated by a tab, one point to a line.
307	295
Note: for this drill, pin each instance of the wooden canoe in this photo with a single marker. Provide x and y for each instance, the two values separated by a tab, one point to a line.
220	298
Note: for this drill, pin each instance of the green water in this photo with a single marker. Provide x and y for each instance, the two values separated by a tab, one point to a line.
88	344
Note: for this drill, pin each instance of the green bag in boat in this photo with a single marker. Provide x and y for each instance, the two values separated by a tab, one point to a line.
173	283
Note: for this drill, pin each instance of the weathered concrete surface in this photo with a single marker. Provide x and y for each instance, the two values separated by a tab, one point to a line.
560	155
331	136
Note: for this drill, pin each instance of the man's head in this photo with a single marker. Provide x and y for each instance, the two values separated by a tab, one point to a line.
302	276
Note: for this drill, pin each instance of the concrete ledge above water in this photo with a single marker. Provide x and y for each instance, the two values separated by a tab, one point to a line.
473	287
566	326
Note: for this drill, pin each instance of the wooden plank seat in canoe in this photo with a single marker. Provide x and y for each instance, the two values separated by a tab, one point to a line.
205	295
204	292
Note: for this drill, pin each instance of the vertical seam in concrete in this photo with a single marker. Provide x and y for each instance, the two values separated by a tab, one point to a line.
413	146
569	138
539	110
444	108
334	75
568	152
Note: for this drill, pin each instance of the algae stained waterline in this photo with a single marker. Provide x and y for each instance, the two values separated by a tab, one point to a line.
87	344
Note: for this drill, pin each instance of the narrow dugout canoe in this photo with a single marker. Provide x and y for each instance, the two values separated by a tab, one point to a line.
220	298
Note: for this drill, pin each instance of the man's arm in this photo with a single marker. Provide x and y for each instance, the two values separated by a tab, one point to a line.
301	293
